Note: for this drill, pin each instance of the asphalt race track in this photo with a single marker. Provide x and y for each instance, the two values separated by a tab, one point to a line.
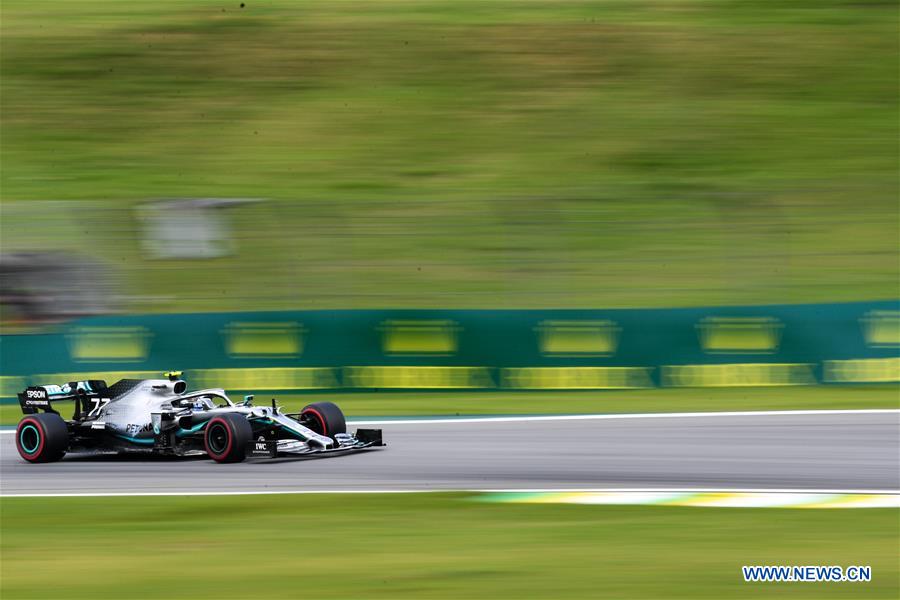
825	451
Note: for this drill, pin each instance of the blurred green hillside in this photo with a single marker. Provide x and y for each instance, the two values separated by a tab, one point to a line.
461	153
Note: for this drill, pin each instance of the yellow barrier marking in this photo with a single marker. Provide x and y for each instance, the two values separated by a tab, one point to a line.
263	339
882	328
738	375
575	378
740	335
419	337
418	377
578	338
101	344
12	385
867	370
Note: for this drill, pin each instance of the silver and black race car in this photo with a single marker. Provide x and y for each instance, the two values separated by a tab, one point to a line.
160	416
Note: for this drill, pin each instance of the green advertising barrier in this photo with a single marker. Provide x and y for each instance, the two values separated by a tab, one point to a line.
472	349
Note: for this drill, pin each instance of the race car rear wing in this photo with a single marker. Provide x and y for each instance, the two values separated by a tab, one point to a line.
36	398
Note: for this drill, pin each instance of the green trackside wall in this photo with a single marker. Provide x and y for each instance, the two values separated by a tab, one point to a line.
472	349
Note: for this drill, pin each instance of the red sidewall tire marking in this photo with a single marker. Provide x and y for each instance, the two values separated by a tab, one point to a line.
43	435
320	418
224	453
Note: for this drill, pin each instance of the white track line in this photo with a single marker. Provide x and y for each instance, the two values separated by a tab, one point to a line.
433	491
611	416
603	417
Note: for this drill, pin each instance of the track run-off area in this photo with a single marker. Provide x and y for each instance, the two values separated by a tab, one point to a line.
834	451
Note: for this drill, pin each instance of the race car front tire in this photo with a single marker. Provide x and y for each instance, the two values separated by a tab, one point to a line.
325	418
42	437
226	438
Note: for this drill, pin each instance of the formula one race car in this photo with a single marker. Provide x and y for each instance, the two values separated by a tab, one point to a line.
159	416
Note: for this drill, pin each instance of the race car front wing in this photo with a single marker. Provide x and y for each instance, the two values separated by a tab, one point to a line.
363	438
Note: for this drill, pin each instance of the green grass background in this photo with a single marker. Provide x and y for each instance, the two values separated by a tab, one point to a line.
463	153
425	546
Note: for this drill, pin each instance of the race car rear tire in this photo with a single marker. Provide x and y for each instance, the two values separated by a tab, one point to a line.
226	437
325	418
42	437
